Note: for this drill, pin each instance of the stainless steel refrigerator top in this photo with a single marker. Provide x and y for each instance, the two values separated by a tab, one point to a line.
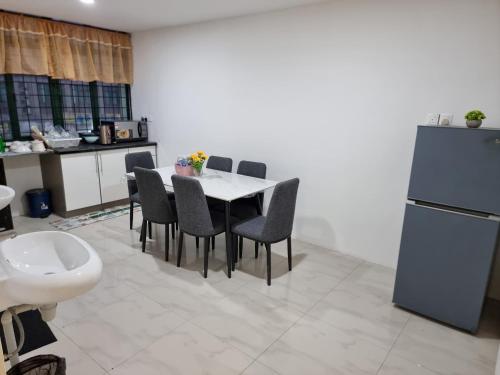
457	167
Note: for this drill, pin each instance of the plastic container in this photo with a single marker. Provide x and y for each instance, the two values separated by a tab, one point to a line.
63	142
184	170
39	202
47	364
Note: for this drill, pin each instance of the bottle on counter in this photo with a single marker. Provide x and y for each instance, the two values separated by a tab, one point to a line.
2	144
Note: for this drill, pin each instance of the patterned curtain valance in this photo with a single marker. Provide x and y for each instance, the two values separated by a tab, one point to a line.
30	45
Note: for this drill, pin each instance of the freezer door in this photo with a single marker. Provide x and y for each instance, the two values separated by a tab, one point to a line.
444	264
457	167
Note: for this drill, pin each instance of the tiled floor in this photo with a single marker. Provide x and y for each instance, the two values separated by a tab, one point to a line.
331	315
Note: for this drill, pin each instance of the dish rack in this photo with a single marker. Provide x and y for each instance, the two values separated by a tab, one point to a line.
62	142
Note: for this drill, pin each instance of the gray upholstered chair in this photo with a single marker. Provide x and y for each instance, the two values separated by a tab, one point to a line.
157	207
249	207
132	160
194	216
277	225
220	163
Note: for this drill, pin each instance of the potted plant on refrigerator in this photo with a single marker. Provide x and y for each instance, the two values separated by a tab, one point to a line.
474	118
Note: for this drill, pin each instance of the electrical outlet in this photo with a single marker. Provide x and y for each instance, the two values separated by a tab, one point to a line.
432	119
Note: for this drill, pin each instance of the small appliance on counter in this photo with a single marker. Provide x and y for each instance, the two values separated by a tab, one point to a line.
107	132
128	131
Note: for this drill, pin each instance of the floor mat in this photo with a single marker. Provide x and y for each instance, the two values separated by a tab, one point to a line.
37	332
92	217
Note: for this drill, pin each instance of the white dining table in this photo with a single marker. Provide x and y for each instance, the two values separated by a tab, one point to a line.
224	186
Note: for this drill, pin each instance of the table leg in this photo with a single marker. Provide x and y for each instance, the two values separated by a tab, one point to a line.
229	242
259	204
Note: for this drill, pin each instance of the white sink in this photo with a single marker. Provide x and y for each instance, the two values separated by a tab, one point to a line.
43	268
6	196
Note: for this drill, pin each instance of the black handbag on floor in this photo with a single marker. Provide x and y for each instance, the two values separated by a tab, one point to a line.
40	365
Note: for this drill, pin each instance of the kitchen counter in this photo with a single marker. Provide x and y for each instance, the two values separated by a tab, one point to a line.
82	147
86	147
89	177
10	154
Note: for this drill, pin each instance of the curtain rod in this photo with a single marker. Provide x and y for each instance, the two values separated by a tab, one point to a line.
62	21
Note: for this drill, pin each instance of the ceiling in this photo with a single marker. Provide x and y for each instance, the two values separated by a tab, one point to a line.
137	15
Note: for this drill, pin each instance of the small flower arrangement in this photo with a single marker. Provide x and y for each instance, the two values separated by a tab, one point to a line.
196	160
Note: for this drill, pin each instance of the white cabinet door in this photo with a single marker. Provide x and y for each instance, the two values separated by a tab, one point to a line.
151	149
81	180
112	174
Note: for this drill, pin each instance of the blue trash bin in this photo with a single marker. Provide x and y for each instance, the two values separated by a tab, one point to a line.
39	202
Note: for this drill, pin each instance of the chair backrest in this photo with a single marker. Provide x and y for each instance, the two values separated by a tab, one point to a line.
155	203
137	159
192	208
279	220
252	169
220	163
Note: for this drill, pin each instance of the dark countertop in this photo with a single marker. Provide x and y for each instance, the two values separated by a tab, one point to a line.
86	147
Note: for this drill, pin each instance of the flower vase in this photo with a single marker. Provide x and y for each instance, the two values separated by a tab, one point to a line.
474	124
197	172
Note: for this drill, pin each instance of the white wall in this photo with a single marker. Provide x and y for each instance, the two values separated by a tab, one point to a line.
331	93
22	174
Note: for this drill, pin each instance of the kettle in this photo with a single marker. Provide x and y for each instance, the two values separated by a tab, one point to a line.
106	134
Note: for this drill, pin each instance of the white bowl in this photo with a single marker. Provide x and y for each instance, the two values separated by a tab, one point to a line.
90	138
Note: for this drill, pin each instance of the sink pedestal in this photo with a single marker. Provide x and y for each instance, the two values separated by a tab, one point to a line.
8	330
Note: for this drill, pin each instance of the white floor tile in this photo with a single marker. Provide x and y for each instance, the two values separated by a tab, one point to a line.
332	314
249	320
187	350
314	347
445	350
118	331
395	365
77	361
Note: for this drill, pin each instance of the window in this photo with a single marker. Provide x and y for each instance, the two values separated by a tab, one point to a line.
76	105
27	100
113	102
33	103
5	128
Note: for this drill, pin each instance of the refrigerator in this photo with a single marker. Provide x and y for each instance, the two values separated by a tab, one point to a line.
451	225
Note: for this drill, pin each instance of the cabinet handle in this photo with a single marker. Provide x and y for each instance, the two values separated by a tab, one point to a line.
96	165
102	167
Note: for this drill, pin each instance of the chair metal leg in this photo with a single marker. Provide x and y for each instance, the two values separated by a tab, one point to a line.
268	250
197	242
234	246
229	251
173	231
167	243
177	225
213	242
241	247
150	226
206	247
143	235
289	246
256	249
131	214
179	248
